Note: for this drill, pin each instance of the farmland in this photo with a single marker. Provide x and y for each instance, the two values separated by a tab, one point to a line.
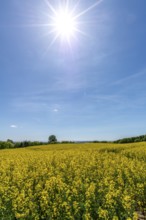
73	181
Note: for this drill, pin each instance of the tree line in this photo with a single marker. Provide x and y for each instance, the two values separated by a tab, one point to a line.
10	144
140	138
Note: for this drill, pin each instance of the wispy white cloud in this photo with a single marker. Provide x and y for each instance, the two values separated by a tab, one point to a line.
55	110
29	105
105	97
36	104
13	126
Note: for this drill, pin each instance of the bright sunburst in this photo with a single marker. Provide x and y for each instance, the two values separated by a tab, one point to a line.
65	22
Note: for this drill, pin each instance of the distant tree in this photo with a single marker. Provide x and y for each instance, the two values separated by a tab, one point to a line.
10	141
52	139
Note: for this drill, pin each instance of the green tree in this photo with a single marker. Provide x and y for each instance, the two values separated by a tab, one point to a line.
10	141
52	139
6	145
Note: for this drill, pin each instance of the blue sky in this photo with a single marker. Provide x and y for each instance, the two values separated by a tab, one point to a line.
93	89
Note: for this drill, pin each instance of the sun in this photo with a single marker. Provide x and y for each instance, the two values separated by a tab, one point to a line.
64	24
64	21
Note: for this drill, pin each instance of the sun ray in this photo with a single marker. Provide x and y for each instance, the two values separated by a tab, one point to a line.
81	32
50	6
88	9
52	42
54	39
67	4
36	25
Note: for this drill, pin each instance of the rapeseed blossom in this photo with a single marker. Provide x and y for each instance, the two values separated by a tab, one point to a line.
73	182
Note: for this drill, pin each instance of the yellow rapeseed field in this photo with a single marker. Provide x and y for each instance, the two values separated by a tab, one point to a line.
73	182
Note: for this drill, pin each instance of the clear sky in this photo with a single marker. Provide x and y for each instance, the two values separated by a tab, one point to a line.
91	89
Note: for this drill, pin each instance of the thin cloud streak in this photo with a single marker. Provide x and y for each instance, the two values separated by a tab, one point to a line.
125	79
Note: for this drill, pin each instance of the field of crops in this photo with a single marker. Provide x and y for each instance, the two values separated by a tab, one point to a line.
73	182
